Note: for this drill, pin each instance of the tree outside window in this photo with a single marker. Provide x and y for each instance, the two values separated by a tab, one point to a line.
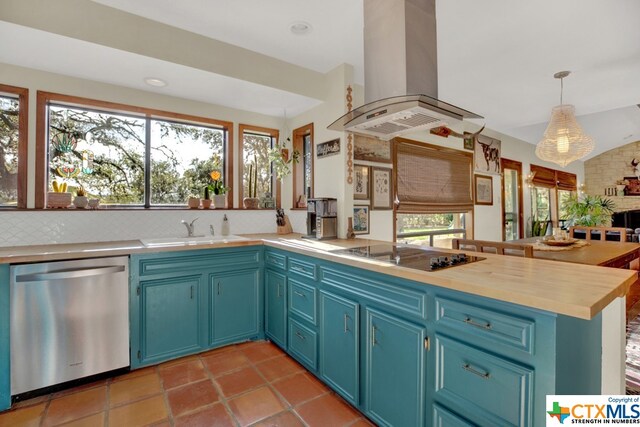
131	160
9	141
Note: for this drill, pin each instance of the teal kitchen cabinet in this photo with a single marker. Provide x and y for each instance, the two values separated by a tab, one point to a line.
276	307
5	342
395	370
171	312
339	345
235	299
186	302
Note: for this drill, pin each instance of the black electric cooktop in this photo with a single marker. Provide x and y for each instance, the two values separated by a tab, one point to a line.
425	259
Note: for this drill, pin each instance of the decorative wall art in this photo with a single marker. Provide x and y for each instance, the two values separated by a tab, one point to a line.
487	155
372	149
381	189
329	148
633	186
483	189
361	182
361	219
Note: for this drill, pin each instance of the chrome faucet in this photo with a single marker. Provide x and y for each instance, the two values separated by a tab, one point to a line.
190	226
212	230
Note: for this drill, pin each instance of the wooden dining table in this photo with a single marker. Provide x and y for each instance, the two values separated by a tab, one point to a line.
603	253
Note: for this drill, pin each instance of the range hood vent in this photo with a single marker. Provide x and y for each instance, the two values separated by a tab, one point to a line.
401	81
392	117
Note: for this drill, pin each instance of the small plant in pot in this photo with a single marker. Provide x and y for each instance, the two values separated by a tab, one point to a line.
218	189
81	201
252	202
193	201
206	202
281	161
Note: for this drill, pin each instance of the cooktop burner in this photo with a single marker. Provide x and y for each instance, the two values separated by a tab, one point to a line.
426	259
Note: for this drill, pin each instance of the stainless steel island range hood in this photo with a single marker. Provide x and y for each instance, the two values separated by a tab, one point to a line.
400	72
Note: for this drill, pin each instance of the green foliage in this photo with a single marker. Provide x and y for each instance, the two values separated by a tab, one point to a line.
280	164
589	211
539	227
8	151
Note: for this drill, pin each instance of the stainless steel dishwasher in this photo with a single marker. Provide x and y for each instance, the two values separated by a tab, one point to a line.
69	320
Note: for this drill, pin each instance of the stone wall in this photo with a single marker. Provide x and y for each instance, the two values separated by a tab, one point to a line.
604	170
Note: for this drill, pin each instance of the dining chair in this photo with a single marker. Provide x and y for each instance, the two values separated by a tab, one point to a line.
487	246
603	233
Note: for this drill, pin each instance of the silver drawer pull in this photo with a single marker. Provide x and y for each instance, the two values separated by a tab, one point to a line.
299	335
346	324
483	375
299	269
300	294
469	321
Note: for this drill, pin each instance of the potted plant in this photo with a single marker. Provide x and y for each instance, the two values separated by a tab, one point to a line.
193	201
252	202
81	201
280	159
59	198
588	211
206	202
218	189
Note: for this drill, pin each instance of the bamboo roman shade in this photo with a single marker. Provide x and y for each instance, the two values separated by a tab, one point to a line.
551	178
433	179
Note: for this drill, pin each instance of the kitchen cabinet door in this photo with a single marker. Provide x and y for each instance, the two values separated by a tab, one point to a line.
394	370
339	335
170	318
276	307
236	306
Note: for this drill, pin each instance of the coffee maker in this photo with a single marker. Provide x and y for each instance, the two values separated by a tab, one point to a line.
322	219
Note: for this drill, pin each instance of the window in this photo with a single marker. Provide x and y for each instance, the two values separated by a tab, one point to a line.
128	156
303	170
431	207
550	189
437	230
255	167
13	146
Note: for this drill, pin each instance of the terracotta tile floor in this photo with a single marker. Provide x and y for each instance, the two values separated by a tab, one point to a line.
250	384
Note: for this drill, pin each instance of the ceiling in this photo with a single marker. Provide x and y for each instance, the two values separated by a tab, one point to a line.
495	57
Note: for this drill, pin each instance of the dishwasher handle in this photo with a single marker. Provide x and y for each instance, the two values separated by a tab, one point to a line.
70	274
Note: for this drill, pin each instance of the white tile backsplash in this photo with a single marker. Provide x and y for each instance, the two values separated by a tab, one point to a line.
20	228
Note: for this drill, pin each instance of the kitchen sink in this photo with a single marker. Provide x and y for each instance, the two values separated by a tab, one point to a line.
195	240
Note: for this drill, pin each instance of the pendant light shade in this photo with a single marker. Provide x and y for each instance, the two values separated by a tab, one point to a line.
564	140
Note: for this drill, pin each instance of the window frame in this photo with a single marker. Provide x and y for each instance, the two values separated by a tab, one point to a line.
23	141
298	168
46	98
274	134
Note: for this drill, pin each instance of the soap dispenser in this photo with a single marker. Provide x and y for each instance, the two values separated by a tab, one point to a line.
225	226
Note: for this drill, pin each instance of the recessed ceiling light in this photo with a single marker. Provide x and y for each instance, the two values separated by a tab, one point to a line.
300	27
154	81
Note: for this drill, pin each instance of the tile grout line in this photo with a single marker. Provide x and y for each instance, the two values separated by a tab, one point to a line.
223	400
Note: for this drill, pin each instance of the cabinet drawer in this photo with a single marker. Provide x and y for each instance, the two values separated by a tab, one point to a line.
445	418
275	260
302	300
490	325
303	268
303	344
492	389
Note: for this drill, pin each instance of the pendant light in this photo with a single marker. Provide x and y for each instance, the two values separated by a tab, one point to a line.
564	140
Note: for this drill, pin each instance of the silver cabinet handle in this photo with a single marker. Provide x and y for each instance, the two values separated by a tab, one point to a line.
300	294
191	291
469	321
346	324
219	292
299	335
278	290
298	269
70	274
373	336
469	368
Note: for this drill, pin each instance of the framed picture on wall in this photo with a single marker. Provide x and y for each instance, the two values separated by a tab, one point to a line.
381	189
486	155
361	219
361	182
483	189
371	149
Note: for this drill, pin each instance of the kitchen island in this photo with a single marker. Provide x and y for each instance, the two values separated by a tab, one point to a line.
528	327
